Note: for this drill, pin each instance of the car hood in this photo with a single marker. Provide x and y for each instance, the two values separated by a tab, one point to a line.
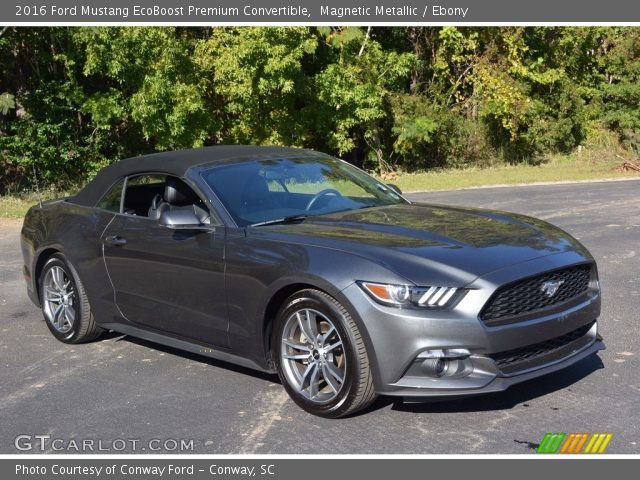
431	243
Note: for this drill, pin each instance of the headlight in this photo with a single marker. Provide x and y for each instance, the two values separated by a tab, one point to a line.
408	295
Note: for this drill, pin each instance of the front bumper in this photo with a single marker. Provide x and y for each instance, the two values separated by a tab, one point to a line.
395	337
486	378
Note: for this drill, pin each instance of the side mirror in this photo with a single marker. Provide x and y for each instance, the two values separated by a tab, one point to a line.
395	188
180	220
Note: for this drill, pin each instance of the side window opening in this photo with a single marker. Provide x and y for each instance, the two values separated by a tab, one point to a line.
140	192
111	200
152	194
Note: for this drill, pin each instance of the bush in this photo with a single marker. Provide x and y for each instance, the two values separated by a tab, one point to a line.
73	100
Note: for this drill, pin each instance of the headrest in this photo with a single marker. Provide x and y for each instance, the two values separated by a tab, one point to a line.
177	193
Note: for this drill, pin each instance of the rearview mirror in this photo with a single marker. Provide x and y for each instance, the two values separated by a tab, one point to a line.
180	219
395	188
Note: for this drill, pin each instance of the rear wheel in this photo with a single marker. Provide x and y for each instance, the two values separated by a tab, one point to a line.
321	358
65	305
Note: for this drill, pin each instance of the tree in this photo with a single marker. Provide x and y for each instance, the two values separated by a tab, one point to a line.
75	99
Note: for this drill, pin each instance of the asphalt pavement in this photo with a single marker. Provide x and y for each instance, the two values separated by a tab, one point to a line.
129	395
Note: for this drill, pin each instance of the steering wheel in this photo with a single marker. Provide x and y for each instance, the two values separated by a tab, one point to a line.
320	194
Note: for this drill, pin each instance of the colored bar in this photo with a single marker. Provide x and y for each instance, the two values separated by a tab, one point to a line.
543	444
591	442
599	437
583	439
576	439
605	443
556	442
550	441
568	442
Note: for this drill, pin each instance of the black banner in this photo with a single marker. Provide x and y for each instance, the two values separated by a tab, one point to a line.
310	11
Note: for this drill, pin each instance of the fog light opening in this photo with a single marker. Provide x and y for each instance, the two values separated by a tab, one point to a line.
438	363
436	367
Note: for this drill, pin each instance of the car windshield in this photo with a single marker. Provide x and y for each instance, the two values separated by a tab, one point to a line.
273	189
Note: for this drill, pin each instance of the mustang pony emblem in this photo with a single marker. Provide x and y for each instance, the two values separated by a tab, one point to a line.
551	287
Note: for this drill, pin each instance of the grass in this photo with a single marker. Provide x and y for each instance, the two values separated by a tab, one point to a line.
559	168
16	206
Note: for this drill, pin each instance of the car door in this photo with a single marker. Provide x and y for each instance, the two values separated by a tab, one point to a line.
165	279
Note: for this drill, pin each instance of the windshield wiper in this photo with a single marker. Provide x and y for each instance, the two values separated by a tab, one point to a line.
275	221
302	217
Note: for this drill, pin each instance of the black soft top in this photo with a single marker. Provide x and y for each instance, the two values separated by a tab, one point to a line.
173	163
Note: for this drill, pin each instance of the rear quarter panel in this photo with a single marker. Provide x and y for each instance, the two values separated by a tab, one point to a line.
73	230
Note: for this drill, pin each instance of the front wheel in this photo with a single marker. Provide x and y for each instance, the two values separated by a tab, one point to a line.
65	305
321	357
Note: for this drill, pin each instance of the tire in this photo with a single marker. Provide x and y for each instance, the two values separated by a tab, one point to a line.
64	303
310	371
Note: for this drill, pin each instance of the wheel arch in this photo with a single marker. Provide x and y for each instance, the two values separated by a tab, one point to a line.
41	260
279	296
272	308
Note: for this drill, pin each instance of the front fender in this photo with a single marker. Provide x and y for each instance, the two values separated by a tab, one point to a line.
260	272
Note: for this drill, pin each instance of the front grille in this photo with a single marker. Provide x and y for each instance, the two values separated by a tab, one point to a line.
522	358
515	300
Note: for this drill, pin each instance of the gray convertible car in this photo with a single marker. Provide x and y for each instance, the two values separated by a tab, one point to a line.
291	261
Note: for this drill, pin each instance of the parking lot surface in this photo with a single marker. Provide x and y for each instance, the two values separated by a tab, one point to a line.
125	394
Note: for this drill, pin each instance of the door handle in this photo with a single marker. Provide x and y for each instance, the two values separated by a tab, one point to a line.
115	240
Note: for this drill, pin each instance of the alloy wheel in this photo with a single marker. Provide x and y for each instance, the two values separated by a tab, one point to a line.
59	299
312	355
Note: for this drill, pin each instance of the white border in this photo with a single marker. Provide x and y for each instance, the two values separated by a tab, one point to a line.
152	456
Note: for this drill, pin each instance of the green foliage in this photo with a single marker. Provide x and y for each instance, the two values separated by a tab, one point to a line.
353	92
7	102
153	83
74	99
429	135
415	124
256	77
